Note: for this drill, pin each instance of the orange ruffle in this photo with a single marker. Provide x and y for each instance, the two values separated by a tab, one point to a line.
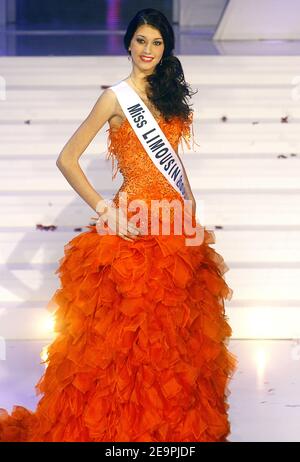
141	347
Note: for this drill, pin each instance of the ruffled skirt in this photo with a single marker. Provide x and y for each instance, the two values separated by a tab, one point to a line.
140	352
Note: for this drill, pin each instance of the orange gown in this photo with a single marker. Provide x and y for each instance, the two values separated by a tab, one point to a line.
140	352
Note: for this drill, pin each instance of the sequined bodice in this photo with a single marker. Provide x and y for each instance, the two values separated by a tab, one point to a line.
142	179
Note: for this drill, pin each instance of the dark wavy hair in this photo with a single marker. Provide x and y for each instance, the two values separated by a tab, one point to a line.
168	89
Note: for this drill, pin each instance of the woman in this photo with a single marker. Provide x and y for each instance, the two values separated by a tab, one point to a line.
140	352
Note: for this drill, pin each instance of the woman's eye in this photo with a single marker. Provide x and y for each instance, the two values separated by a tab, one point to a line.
141	40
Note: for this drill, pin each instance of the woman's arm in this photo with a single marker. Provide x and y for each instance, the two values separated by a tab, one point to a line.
68	159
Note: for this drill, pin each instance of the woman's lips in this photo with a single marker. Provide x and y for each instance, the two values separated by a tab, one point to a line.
145	59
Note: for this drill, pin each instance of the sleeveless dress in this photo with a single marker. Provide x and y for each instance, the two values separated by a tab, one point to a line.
140	352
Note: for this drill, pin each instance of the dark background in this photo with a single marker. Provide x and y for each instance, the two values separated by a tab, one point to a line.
85	14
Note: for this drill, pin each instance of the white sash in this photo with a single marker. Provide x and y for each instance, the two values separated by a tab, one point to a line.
151	136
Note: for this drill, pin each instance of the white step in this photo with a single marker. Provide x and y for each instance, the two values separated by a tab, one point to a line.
88	71
268	211
236	102
242	247
250	174
233	132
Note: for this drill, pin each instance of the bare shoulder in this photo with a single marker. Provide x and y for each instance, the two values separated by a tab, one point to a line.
106	101
109	95
102	111
117	115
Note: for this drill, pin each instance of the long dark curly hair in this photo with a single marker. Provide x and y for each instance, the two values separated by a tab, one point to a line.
168	89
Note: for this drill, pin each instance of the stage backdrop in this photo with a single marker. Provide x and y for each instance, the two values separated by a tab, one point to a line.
260	19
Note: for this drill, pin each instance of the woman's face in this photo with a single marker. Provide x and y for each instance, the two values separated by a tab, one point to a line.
146	41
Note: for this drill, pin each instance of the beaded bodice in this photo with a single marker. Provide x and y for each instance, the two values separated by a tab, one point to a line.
142	179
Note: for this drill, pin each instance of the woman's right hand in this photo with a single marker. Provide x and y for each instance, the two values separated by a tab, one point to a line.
116	220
